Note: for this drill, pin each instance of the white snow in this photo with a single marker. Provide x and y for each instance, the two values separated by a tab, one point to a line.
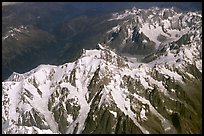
150	16
152	32
70	118
114	113
174	75
114	29
100	46
169	110
199	65
5	37
14	100
188	54
142	114
144	41
190	75
144	83
18	30
166	23
172	90
170	59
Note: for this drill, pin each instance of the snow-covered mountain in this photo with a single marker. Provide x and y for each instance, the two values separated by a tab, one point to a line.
142	31
103	92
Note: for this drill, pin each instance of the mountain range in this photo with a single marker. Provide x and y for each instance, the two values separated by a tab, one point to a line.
143	76
35	33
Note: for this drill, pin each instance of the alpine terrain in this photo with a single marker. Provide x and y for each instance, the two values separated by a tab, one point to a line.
144	77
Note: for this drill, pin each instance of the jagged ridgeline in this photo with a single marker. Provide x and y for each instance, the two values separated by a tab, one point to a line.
106	93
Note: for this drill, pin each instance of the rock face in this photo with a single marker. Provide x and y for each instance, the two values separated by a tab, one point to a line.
103	92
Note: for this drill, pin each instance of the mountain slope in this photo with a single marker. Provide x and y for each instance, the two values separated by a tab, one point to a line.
98	89
103	92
